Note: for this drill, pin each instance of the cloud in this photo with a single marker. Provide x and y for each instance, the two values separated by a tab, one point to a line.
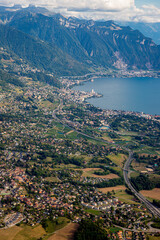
75	5
120	10
96	5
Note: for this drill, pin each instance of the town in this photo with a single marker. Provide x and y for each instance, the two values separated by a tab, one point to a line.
62	159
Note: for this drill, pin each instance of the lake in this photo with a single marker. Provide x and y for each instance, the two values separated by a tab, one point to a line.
129	94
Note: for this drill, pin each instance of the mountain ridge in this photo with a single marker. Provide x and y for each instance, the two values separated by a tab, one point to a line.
75	46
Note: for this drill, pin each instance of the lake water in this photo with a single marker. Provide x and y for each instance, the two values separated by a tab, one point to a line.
129	94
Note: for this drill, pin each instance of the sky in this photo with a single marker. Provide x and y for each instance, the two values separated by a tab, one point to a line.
119	10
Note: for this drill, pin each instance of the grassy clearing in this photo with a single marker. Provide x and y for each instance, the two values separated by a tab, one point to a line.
134	174
49	105
139	166
59	131
66	166
118	159
108	176
51	179
118	169
109	189
127	133
98	142
86	158
124	197
93	211
115	229
48	159
155	178
126	138
106	137
53	226
72	135
146	150
89	172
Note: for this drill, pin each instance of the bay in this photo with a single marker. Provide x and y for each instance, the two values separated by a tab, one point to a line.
129	94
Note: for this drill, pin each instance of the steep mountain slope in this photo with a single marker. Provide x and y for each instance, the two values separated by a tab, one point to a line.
151	30
38	53
107	43
74	44
49	29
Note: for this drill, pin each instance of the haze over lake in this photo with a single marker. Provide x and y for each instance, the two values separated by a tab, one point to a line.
129	94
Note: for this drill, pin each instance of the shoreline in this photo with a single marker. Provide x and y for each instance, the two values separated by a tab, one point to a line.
74	83
78	80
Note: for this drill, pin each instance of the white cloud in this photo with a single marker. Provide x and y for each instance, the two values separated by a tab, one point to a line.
75	5
122	10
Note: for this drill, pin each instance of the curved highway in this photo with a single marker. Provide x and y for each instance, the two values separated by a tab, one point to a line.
148	204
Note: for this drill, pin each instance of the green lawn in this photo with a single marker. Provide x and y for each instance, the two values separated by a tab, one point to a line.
125	197
52	226
93	211
115	229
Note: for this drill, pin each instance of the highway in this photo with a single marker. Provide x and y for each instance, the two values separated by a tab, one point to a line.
155	211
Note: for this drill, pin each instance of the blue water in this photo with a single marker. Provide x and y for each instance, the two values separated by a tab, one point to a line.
129	94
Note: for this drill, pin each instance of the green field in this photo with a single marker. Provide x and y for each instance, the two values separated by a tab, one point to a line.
118	159
125	197
52	226
115	229
93	211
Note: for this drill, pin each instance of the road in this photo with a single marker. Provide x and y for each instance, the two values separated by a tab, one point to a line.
126	169
148	204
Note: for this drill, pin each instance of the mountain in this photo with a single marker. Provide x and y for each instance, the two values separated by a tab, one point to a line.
151	30
68	46
37	53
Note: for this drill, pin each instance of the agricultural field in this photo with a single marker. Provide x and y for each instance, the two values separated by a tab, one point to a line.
23	232
60	131
89	172
134	174
118	159
49	105
154	193
10	233
110	189
153	237
65	233
51	179
139	166
125	197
